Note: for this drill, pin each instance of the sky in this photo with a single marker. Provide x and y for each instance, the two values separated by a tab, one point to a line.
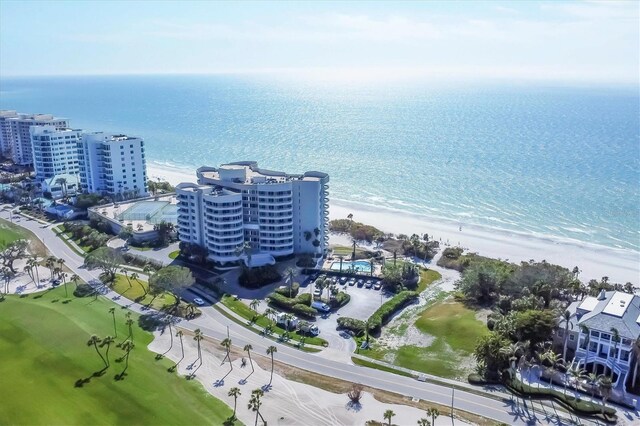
554	40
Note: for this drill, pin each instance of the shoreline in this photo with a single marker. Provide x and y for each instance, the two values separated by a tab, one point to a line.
594	261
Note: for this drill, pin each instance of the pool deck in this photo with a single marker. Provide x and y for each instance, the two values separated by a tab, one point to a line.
330	260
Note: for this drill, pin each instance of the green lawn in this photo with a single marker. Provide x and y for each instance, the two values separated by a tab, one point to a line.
240	308
348	251
44	352
455	331
364	363
133	290
9	232
174	254
427	277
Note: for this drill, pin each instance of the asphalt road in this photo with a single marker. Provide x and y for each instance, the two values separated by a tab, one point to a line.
215	325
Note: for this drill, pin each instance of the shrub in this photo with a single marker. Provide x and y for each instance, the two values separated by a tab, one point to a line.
296	305
304	310
340	300
83	290
304	298
352	324
259	277
386	311
358	231
305	261
284	290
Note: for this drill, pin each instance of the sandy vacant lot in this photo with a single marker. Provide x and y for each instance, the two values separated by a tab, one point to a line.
287	402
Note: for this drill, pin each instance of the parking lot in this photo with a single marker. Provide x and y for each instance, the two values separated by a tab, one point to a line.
364	302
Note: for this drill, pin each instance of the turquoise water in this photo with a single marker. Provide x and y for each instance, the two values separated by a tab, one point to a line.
358	265
555	161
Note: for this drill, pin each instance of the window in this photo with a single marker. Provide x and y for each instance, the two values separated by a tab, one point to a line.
572	337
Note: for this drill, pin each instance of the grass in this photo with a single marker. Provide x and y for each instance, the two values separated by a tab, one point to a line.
10	232
174	254
43	345
348	251
240	308
427	277
365	363
455	331
135	292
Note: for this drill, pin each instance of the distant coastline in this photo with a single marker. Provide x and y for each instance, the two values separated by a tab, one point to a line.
595	261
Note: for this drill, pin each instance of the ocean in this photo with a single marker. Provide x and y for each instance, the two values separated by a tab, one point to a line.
549	160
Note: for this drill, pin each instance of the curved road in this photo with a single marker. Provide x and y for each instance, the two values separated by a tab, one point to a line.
214	324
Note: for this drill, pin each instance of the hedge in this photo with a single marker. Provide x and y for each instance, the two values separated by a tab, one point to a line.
295	305
259	277
284	290
386	311
340	300
352	324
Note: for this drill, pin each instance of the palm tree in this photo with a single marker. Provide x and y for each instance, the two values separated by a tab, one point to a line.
135	276
615	336
585	330
248	349
60	263
94	341
112	311
129	323
33	263
107	341
604	385
235	393
575	373
63	184
592	378
269	312
567	317
388	415
127	347
270	351
29	270
254	304
341	258
50	262
198	337
124	272
74	279
226	343
424	422
179	335
167	321
433	413
255	403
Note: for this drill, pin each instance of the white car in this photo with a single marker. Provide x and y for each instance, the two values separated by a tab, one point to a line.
198	301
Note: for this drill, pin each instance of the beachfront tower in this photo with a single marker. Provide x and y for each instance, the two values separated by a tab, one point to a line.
113	164
55	151
239	207
19	136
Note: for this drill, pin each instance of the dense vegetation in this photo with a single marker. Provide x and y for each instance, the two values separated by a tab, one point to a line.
159	187
85	236
298	305
259	277
381	316
358	231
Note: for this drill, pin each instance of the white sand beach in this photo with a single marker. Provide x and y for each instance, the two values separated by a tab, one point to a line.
594	261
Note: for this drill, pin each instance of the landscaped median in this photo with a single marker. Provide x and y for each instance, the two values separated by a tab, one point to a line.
253	318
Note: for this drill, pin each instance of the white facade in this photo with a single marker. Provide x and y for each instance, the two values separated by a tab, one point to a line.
20	138
6	137
55	151
113	163
276	213
62	185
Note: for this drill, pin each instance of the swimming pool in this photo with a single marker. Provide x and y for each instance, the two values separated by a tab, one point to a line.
362	266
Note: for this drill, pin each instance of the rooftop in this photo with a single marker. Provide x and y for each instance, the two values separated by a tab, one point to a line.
248	173
614	310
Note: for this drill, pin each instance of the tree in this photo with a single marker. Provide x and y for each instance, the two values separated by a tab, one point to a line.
164	229
289	276
179	335
198	337
12	251
615	336
33	262
355	394
125	272
126	232
433	413
64	276
127	347
106	259
171	279
112	311
271	350
255	402
566	317
63	184
235	393
248	348
575	373
424	422
94	341
254	305
107	341
604	385
226	343
388	415
135	277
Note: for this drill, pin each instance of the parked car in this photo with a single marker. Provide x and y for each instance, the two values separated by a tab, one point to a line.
368	284
360	283
321	307
343	280
377	285
351	282
198	301
317	292
306	327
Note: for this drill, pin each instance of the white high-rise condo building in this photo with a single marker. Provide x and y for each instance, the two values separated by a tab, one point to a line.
20	138
55	151
6	137
239	211
113	164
